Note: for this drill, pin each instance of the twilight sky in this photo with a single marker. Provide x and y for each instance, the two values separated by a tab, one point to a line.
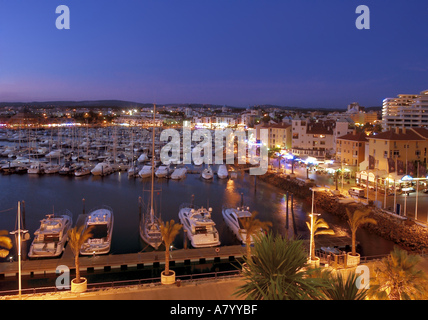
303	53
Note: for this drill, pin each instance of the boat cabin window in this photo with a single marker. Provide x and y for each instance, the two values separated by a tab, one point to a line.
199	230
232	216
51	237
99	231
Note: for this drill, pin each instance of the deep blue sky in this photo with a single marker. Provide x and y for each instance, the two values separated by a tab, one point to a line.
305	53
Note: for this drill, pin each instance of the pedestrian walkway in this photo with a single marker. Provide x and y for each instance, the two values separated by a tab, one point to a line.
209	289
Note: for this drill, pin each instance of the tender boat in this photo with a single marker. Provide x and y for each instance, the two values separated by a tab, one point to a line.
163	171
207	173
179	173
199	226
102	221
222	172
50	238
232	217
146	171
102	169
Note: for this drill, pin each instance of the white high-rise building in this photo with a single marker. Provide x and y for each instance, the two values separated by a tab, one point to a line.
407	110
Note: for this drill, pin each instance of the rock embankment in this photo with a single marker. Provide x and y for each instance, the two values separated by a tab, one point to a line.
404	232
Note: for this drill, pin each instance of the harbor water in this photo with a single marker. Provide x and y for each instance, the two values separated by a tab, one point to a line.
45	194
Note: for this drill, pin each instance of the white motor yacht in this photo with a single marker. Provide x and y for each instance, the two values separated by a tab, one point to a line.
207	173
179	173
163	171
146	171
102	169
36	168
101	220
50	238
232	216
199	226
52	168
83	171
222	172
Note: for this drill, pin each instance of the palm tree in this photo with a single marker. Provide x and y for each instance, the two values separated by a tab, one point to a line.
169	231
319	227
253	229
398	278
76	238
355	220
5	242
276	271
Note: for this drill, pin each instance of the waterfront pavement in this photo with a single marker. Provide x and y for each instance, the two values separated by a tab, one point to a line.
208	289
202	290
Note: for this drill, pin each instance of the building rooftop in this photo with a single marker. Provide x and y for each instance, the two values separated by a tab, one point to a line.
358	136
398	134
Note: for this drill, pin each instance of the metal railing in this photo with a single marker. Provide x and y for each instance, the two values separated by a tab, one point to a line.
91	287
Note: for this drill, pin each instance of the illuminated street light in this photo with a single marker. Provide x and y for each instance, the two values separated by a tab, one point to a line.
313	189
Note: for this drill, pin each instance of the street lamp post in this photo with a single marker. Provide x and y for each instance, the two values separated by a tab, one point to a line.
313	189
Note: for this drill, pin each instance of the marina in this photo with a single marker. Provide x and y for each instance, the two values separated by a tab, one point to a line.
109	183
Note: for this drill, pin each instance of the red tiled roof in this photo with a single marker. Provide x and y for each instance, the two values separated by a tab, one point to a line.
394	136
359	136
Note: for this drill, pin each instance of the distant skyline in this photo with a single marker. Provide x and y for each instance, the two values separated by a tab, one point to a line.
305	53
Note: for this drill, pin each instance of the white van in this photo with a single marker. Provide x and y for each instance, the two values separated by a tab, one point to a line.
356	191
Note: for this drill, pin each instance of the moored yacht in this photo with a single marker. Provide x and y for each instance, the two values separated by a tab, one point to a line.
52	168
207	173
179	173
36	168
84	170
102	169
199	226
101	220
232	217
222	172
50	238
163	171
146	171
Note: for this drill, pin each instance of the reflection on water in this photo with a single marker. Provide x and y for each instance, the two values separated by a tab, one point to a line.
46	193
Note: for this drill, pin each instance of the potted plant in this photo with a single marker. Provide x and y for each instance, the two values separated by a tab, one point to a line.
76	238
169	231
319	227
355	220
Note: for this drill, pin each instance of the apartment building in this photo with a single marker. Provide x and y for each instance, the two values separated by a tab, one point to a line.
407	110
350	149
279	135
317	137
400	146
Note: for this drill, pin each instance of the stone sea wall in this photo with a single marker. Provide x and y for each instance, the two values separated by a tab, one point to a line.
405	233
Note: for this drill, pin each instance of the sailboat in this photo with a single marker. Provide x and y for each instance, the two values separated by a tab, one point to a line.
150	226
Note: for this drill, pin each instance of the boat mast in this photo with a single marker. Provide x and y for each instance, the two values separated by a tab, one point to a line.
153	165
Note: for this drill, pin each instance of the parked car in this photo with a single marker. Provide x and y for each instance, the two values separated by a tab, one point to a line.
356	191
